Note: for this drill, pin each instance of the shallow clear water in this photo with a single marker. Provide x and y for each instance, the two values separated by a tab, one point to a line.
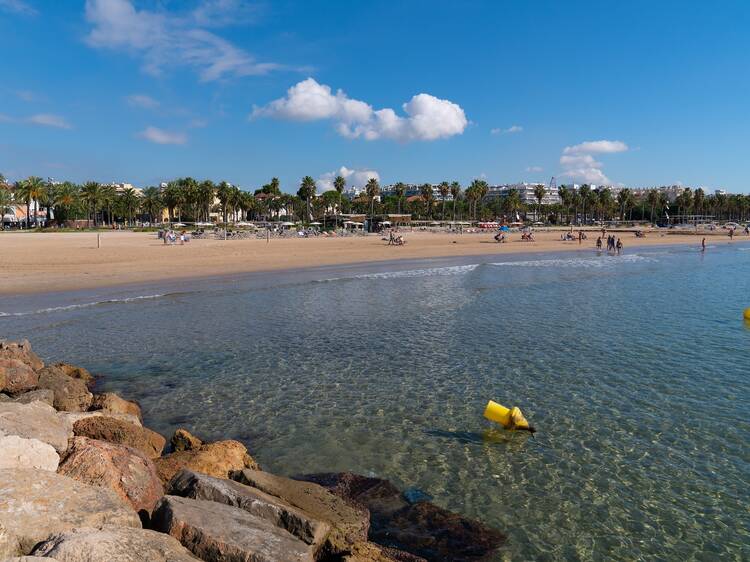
632	368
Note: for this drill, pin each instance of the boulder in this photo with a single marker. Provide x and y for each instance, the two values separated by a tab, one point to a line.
73	417
423	528
113	544
21	351
199	486
17	376
110	403
371	552
36	420
17	452
222	533
4	397
77	373
349	524
27	559
219	459
113	430
126	471
35	504
183	440
42	395
71	395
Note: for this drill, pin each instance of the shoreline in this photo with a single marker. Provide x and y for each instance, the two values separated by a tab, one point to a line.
66	263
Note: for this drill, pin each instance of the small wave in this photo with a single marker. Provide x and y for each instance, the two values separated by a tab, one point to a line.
427	272
600	262
82	305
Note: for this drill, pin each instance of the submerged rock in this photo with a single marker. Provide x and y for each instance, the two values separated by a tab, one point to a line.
42	395
17	376
77	373
370	552
301	524
111	403
70	395
348	524
183	440
35	420
423	528
17	452
118	544
113	430
126	471
21	351
73	417
218	532
35	504
219	459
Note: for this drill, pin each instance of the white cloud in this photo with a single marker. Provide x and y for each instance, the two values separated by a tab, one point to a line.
49	120
578	163
217	13
354	178
163	39
17	7
427	117
509	131
142	100
534	169
596	147
160	136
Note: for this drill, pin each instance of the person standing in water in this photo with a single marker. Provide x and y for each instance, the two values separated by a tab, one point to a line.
619	246
703	244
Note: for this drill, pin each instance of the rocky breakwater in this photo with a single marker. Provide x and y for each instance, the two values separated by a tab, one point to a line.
81	478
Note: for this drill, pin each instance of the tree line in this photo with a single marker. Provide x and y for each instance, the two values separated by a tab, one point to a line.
187	199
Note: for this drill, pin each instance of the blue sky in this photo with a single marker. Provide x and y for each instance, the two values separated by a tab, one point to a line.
633	93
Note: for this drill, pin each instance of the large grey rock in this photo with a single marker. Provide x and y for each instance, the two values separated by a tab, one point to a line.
71	395
36	420
21	351
349	525
221	533
17	376
41	395
113	544
126	471
17	452
202	487
35	504
113	430
73	417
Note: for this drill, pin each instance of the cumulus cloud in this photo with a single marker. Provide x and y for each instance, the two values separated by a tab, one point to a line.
142	100
49	120
578	163
163	39
510	130
427	117
354	178
160	136
17	7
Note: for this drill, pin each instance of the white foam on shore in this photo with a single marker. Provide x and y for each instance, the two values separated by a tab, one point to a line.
597	262
81	305
427	272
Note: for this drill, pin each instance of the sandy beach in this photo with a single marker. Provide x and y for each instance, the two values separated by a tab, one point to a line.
43	262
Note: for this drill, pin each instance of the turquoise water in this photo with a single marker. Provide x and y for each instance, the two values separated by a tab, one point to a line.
632	368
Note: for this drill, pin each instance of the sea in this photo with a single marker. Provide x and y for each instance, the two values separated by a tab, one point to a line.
632	368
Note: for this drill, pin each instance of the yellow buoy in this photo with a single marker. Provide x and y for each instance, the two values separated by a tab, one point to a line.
509	418
746	314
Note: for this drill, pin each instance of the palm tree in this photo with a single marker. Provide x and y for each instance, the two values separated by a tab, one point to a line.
307	193
445	189
129	200
27	191
539	193
605	202
107	199
652	199
455	193
699	200
339	184
152	203
426	191
400	190
91	195
584	191
6	200
205	198
223	194
372	189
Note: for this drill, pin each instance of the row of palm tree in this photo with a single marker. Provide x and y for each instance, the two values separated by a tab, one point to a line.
187	199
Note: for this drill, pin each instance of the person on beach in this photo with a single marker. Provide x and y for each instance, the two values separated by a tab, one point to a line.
703	244
580	237
599	243
619	246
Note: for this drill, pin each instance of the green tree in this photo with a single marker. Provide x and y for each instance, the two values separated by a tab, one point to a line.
445	189
583	192
456	194
653	200
307	194
152	203
372	189
400	190
425	191
129	202
223	194
539	193
91	193
339	184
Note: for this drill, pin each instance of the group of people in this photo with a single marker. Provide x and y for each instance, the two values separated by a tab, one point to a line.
170	237
395	239
613	244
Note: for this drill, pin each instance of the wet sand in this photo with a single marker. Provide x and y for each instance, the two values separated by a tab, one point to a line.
42	262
